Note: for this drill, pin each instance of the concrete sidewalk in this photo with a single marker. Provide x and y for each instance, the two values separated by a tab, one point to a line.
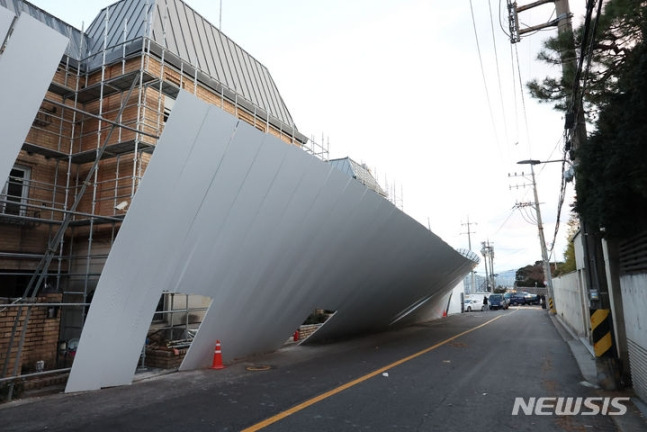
636	417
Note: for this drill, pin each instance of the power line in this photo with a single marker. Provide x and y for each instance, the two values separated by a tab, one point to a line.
498	74
577	98
523	98
505	221
487	92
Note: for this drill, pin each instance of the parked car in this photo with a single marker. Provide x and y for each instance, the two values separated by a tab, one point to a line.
517	299
497	301
474	305
531	298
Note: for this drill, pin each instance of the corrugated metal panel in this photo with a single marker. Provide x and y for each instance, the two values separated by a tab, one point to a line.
638	365
343	165
262	89
132	16
245	73
365	177
634	300
209	62
253	79
213	41
274	101
230	52
633	255
277	100
246	208
185	33
221	44
358	172
197	41
76	38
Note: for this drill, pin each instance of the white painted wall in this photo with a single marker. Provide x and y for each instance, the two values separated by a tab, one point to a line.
455	301
568	302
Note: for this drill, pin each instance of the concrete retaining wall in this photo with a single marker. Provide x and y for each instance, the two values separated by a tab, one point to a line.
568	302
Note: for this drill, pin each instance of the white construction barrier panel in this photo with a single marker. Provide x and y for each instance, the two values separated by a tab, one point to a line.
27	66
265	230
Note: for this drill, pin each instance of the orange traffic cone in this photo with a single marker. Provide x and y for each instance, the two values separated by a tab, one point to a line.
295	337
217	357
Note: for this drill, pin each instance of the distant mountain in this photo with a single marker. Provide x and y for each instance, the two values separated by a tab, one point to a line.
506	278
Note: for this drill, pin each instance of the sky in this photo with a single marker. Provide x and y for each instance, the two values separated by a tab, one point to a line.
426	93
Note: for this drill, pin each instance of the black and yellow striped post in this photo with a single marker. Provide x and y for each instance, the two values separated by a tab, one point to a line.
551	305
606	359
601	327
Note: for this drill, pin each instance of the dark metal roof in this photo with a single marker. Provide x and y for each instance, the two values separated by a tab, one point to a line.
78	41
178	28
193	41
361	173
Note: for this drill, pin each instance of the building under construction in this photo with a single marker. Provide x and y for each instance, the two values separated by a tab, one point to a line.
279	235
104	109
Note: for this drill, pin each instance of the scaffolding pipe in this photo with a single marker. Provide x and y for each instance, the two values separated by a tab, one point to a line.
34	374
39	274
62	304
102	119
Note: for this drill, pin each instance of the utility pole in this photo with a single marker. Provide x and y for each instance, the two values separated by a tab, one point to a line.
469	243
487	250
484	253
542	239
606	354
540	229
607	363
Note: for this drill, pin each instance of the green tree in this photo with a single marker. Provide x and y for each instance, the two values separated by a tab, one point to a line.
611	174
617	32
569	264
531	275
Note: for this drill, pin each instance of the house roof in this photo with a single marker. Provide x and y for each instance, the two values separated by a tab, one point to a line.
177	27
76	37
359	172
173	25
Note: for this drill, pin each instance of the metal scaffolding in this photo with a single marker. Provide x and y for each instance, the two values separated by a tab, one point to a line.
90	144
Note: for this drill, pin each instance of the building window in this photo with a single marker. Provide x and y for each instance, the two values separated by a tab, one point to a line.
13	199
168	107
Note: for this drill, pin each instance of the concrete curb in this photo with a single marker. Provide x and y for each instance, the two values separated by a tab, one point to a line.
636	417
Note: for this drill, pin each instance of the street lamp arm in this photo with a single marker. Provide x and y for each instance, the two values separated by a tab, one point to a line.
537	162
542	240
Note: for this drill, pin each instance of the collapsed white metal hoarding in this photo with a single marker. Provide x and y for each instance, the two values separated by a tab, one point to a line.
27	65
267	231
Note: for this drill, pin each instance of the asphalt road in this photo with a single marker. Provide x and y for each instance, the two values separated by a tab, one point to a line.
459	373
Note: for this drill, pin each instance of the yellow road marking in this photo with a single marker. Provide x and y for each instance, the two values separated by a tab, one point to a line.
341	388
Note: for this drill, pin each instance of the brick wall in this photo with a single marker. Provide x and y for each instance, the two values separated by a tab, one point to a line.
307	330
164	358
41	339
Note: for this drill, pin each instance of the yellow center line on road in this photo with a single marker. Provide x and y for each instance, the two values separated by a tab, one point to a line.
341	388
